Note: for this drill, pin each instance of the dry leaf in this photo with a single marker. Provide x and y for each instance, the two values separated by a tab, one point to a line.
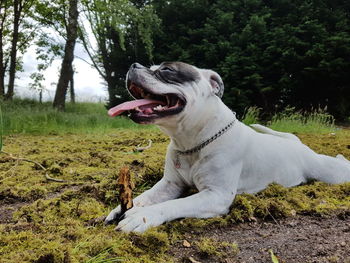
185	243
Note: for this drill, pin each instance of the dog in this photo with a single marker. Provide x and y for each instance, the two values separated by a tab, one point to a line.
210	149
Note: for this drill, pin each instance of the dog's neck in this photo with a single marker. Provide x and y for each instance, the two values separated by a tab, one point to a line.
189	131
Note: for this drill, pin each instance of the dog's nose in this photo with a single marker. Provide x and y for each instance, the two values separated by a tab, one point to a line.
136	66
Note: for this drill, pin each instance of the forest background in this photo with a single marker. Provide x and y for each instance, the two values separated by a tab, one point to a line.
271	54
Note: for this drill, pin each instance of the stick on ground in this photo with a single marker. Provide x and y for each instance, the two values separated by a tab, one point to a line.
47	177
125	189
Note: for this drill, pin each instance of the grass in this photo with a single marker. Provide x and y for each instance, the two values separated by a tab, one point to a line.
318	121
30	117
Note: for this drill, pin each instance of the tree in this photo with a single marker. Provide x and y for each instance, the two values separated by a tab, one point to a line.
66	74
62	17
270	53
123	31
4	24
16	34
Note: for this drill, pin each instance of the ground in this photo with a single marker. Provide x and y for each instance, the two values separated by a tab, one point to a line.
46	221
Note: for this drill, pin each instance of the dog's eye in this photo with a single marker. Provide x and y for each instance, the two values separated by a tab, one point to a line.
167	69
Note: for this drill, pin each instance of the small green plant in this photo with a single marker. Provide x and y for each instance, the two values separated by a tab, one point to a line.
274	259
251	115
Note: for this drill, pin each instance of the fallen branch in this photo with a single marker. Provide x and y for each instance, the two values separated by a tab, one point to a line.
141	149
47	177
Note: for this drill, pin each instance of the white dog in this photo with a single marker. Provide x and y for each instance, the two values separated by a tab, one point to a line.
210	149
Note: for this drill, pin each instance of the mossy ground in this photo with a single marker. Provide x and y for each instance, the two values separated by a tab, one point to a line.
52	222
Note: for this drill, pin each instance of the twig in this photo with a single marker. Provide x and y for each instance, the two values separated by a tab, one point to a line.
141	149
272	217
47	177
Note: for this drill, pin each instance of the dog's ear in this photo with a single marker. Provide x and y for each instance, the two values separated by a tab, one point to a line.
215	81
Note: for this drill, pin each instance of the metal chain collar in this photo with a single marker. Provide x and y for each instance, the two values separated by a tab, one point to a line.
206	142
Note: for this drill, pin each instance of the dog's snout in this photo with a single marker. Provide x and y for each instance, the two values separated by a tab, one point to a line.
136	66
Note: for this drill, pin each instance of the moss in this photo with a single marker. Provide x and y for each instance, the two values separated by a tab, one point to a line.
152	241
212	247
56	217
278	202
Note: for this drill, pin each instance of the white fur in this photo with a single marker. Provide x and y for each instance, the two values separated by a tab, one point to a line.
240	161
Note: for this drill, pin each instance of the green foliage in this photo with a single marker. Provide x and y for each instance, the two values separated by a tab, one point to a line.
251	115
124	33
269	53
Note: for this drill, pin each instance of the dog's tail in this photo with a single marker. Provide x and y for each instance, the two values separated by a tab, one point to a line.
263	129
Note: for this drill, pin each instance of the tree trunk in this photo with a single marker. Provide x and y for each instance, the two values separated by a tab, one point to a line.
3	15
71	89
41	96
17	6
67	69
2	71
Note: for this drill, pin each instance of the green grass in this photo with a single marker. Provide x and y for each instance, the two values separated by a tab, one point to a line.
31	117
290	120
316	121
251	115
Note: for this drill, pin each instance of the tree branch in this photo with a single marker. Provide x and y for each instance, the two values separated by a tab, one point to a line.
47	177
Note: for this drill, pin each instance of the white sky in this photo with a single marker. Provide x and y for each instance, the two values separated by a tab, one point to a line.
88	84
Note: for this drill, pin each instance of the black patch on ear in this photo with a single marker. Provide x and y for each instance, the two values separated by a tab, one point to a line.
176	73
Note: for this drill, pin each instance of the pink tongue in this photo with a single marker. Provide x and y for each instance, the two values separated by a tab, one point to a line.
130	105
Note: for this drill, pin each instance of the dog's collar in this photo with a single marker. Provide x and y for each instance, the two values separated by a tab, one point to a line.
204	143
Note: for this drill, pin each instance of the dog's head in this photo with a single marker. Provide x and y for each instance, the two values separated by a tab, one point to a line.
168	91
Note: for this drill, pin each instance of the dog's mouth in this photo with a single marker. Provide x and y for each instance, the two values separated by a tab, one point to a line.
148	105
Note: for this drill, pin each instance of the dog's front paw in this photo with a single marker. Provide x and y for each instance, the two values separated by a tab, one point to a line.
139	219
113	216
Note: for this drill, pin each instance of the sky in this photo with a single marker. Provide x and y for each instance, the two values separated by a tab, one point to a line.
88	84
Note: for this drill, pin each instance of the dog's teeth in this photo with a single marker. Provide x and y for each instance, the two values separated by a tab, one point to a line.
167	100
138	109
159	107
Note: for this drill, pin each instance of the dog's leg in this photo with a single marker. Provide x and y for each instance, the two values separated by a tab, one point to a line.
208	203
214	199
164	190
331	170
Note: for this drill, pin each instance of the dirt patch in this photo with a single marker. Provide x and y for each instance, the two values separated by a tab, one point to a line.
297	239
